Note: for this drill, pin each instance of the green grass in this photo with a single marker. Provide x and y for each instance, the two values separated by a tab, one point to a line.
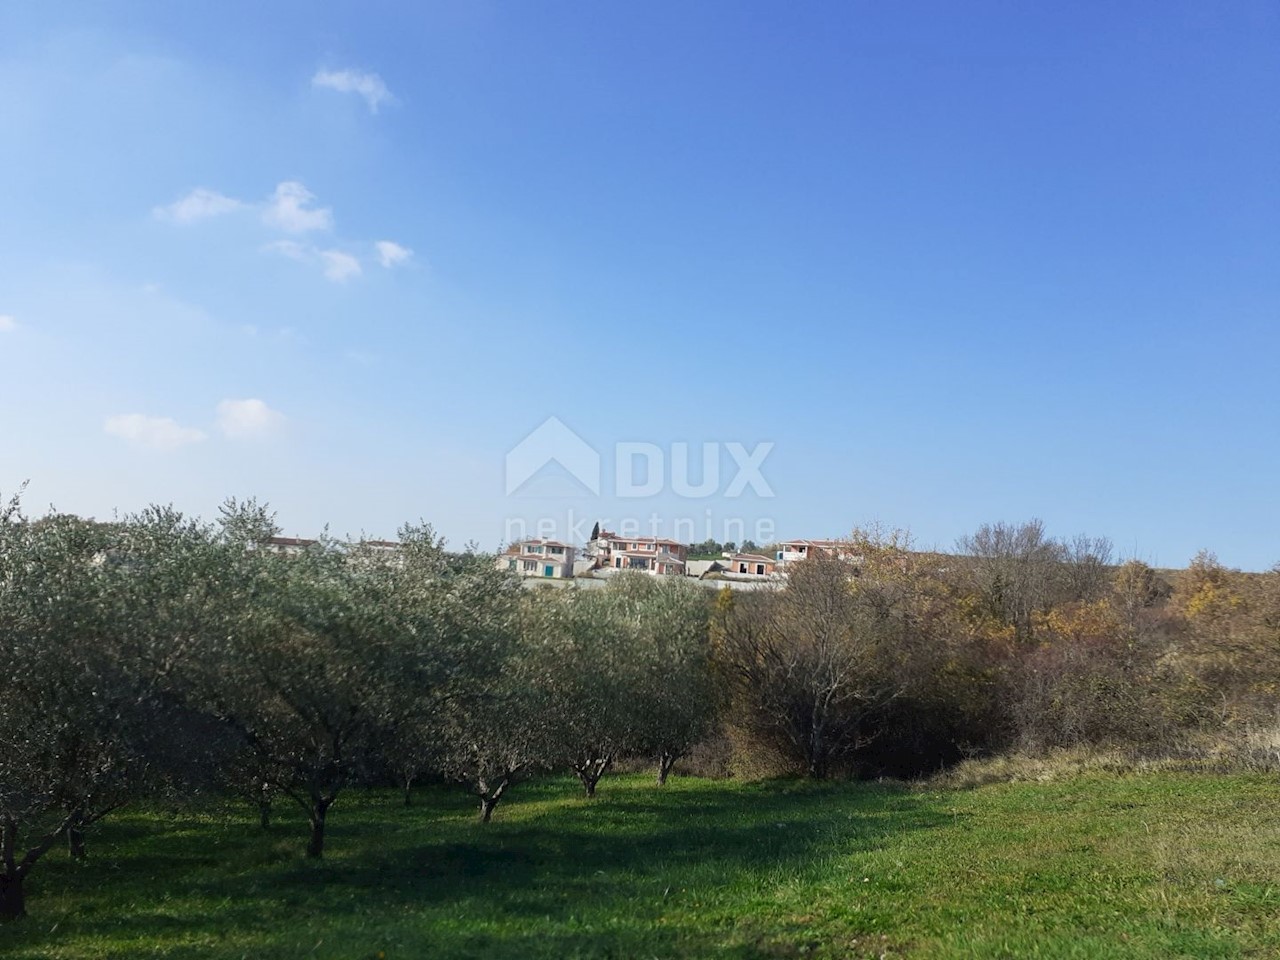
1158	865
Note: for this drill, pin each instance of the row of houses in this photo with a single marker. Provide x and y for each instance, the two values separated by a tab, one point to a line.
609	553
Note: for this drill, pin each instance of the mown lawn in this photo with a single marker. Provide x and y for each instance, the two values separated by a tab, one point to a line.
1141	866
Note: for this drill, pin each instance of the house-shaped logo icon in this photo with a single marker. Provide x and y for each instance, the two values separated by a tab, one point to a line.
553	442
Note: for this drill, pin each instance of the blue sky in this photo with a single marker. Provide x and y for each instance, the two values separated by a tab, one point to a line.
955	262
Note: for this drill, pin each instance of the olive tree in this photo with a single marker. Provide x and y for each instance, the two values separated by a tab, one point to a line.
91	618
624	669
583	641
459	699
297	670
322	657
490	741
674	697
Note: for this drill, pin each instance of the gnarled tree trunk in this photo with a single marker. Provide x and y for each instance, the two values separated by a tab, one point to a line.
13	900
666	760
590	772
489	798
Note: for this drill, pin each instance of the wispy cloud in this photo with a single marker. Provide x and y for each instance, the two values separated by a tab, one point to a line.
368	85
248	419
7	323
392	254
340	267
290	209
200	204
155	433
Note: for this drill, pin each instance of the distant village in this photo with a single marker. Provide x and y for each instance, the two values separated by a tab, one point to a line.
608	554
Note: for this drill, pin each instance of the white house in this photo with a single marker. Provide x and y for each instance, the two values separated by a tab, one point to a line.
538	558
792	551
749	565
652	555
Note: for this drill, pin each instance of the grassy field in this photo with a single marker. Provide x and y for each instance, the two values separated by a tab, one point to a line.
1170	865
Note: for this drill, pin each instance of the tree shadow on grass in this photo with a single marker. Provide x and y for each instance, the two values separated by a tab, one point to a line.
614	876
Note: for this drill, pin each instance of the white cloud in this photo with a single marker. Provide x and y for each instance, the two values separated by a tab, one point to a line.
199	204
156	433
7	323
290	210
247	419
392	254
368	85
340	267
